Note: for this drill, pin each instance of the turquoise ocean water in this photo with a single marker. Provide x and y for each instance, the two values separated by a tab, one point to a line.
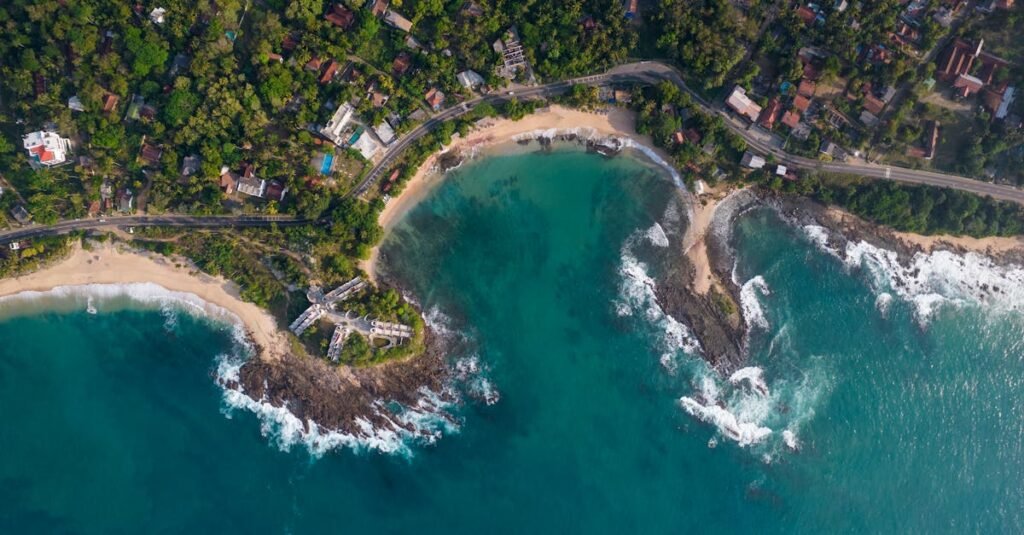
886	414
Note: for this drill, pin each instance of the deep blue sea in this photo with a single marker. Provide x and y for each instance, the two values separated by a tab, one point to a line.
878	399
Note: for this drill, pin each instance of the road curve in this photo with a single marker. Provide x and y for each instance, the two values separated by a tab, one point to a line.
650	72
186	221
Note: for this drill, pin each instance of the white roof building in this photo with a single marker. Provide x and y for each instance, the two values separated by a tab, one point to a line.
384	132
252	186
367	146
396	20
336	126
470	79
46	149
752	161
157	15
739	101
781	170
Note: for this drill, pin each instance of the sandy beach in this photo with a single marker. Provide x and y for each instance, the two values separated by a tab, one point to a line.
118	264
992	246
617	122
694	243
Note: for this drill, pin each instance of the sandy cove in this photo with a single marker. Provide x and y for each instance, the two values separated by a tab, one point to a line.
616	122
109	263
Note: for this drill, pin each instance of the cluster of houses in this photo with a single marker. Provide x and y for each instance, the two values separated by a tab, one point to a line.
971	71
753	161
247	183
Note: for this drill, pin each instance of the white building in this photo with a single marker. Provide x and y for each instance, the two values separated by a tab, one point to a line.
46	149
252	186
752	161
367	146
334	128
739	101
470	79
157	15
384	132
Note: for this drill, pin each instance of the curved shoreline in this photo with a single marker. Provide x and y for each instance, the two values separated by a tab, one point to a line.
499	135
111	264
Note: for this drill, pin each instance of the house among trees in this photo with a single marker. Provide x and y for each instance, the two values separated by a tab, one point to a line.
125	201
21	215
190	165
791	118
770	114
335	128
741	104
228	181
378	7
250	184
275	191
397	21
401	64
998	99
470	79
512	55
752	161
340	16
150	154
385	133
110	101
931	143
435	98
329	72
46	149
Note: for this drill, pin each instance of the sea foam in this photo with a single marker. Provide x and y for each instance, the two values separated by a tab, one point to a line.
638	297
753	313
931	280
424	422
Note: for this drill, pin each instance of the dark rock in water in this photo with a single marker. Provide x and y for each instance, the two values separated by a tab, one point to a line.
314	390
450	160
604	147
525	141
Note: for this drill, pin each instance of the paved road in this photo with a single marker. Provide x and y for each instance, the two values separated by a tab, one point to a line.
650	72
187	221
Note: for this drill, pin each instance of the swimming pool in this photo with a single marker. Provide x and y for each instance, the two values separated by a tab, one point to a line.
325	168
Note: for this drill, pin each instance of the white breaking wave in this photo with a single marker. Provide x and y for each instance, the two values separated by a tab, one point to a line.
656	235
819	236
111	297
471	373
637	296
744	433
883	302
932	280
754	376
789	438
752	310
